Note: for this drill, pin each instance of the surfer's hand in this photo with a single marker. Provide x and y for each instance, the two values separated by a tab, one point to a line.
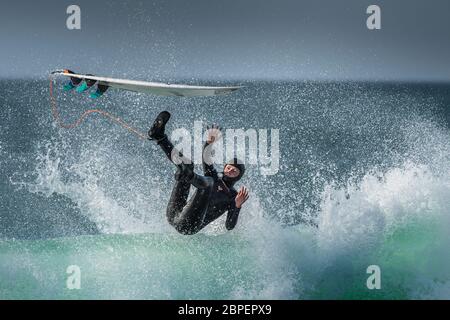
241	197
214	133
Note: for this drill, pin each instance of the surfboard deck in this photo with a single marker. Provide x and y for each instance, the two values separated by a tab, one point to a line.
157	88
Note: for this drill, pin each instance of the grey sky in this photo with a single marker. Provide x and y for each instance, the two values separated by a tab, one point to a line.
243	39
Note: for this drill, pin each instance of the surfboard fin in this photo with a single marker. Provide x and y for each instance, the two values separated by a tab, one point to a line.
83	87
101	89
73	83
69	86
87	84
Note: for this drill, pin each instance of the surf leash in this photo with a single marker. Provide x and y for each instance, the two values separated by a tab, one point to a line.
117	120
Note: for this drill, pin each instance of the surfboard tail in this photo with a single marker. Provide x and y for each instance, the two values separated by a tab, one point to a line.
81	84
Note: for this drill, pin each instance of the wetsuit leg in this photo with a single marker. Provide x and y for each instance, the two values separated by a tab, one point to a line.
180	191
178	199
186	217
169	150
190	219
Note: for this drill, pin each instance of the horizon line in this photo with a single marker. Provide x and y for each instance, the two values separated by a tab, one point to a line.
265	79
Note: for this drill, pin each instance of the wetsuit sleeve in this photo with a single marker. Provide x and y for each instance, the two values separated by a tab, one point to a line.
208	169
232	218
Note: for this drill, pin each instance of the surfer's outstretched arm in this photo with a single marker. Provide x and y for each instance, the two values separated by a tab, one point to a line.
214	133
233	212
208	169
232	218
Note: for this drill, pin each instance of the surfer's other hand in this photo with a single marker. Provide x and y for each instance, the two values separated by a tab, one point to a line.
214	133
241	197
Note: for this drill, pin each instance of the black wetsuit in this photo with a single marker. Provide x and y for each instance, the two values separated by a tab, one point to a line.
212	198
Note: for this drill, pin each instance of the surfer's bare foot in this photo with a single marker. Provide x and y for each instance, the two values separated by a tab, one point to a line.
156	132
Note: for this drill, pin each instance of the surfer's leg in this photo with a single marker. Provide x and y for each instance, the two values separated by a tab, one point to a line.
172	154
157	133
190	219
184	177
186	218
178	199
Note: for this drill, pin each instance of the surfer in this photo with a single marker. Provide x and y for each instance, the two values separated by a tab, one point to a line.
213	196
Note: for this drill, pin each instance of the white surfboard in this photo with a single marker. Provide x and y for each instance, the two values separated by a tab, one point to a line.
157	88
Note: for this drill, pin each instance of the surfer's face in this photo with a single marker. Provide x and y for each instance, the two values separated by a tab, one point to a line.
231	171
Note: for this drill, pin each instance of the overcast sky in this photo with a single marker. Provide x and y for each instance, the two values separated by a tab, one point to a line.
232	39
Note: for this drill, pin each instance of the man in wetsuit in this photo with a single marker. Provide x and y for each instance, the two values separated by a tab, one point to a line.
214	195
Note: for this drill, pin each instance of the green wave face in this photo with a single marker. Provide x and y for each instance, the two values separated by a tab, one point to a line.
152	266
169	266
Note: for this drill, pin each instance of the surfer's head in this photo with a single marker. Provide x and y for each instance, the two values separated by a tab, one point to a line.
233	171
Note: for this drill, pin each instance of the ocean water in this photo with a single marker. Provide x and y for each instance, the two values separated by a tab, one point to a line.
364	180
